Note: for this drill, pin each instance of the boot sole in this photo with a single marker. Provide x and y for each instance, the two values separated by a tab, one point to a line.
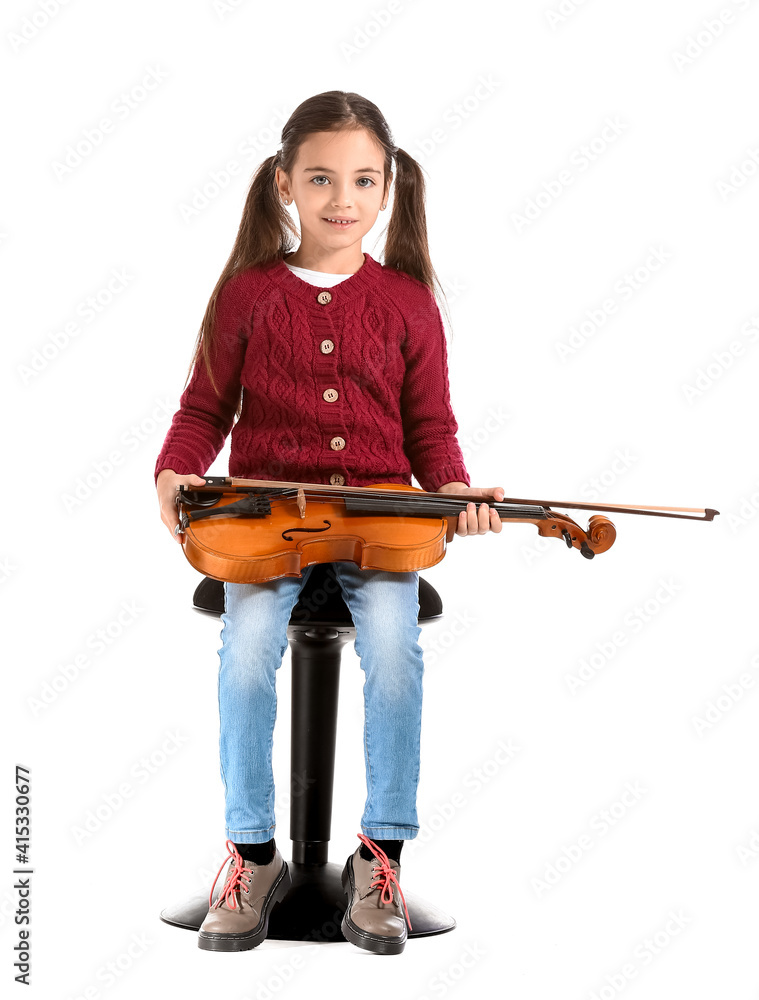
254	937
356	935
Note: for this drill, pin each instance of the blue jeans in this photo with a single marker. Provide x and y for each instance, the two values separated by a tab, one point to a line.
385	609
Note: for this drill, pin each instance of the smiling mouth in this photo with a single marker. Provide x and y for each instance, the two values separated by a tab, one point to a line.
340	222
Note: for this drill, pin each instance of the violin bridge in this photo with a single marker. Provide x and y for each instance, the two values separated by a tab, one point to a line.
301	501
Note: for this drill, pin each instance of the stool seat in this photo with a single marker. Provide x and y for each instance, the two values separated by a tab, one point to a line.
320	602
319	627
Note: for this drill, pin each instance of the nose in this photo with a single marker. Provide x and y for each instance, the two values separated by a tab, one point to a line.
342	197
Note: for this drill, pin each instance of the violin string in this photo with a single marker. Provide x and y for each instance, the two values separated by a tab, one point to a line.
378	496
414	507
369	493
402	505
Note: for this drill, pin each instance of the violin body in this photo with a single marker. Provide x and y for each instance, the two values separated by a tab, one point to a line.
254	550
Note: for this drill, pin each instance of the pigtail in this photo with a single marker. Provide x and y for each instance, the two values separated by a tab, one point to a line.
262	236
406	246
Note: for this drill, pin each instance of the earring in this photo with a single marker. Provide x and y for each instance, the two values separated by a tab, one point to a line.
384	207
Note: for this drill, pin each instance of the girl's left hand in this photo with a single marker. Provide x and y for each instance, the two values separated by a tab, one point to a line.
474	520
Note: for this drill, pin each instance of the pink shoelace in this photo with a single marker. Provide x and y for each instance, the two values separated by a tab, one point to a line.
385	876
238	879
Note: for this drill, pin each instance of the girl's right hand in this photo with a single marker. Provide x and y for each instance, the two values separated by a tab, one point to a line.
166	486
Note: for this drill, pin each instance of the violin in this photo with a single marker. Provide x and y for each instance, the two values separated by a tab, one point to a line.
253	530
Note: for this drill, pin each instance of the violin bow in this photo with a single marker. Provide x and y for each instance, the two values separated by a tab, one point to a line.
689	513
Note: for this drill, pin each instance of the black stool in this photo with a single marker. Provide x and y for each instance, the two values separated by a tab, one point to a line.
320	625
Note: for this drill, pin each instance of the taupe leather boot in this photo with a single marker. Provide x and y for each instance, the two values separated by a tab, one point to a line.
239	919
373	918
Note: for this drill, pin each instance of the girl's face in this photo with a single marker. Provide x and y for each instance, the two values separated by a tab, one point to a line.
336	175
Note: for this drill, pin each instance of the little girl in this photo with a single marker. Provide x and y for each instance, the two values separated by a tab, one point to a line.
336	367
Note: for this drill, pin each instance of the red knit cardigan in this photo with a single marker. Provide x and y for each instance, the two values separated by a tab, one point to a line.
342	385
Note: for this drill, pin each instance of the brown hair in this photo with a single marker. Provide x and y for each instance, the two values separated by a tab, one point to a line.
266	229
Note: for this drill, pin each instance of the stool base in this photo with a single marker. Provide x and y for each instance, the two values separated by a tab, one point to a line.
312	910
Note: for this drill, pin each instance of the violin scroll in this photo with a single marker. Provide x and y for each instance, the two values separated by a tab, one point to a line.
599	537
601	533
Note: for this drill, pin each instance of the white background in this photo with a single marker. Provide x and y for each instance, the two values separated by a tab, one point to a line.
520	616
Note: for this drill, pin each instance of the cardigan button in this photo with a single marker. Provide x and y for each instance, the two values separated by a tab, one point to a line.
337	443
330	395
336	479
326	347
323	298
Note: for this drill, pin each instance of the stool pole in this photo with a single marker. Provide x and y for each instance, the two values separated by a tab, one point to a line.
315	688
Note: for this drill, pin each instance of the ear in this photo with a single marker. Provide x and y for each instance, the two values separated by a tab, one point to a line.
280	179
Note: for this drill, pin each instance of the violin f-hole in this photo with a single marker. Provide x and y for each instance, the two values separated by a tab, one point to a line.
288	537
